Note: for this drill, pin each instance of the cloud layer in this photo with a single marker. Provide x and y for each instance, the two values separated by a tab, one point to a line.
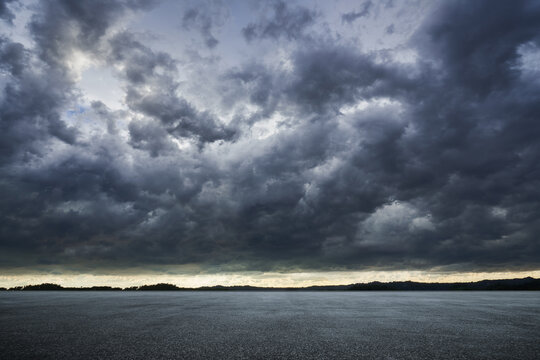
270	136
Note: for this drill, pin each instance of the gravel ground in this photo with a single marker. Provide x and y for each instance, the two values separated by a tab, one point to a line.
270	325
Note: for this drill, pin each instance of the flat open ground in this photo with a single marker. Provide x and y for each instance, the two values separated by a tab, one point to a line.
298	325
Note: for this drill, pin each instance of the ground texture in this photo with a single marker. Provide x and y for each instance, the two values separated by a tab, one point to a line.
281	325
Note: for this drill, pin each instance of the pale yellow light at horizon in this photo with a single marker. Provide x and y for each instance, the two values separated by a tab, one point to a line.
266	279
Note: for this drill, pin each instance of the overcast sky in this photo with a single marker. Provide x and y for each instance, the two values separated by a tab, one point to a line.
203	138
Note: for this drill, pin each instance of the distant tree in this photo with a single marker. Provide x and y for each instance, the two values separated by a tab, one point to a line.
104	288
160	286
44	286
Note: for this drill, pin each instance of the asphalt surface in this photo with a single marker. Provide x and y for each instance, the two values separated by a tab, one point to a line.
280	325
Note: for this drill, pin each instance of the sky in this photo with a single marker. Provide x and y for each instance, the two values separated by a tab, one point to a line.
271	143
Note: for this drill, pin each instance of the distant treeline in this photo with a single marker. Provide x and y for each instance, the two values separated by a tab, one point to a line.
527	283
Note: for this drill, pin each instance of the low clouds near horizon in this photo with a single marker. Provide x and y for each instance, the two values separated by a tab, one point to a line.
270	135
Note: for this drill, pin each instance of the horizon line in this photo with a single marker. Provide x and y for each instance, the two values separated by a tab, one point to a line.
167	286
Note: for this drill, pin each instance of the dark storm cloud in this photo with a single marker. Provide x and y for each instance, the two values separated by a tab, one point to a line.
450	157
63	25
485	59
179	118
39	81
373	163
261	86
6	13
285	21
38	87
151	137
330	77
12	56
352	16
29	103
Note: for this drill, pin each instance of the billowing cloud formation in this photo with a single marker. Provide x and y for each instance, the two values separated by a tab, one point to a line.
284	22
305	152
354	15
5	12
205	18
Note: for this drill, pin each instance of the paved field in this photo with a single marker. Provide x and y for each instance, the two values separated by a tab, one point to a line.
236	325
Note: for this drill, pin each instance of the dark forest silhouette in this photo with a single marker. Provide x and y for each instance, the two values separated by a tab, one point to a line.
527	283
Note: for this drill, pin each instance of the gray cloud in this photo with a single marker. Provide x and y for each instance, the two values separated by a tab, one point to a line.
193	18
143	67
6	13
330	77
29	105
284	22
352	16
205	18
12	56
63	25
40	83
366	162
486	58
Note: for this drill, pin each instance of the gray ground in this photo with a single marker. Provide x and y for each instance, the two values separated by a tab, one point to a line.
320	325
